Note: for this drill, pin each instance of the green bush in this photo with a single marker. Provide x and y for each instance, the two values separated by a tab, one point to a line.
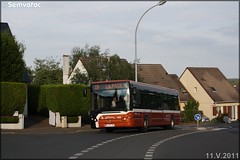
190	109
219	118
68	100
13	97
9	119
72	119
42	104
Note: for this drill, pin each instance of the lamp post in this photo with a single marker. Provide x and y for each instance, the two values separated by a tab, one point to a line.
159	3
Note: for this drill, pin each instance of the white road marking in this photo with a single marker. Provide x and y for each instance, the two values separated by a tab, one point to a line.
149	153
77	155
72	157
152	149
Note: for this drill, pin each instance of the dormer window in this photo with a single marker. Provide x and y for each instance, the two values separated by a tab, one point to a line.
213	89
183	91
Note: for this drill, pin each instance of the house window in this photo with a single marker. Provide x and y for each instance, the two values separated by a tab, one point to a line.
195	89
233	112
214	111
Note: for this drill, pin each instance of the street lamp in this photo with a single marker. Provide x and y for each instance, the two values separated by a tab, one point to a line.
136	60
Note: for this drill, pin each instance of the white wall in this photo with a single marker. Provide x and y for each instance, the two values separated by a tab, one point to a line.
65	69
19	125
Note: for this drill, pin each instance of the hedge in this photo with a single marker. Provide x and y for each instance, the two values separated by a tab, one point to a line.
72	119
68	100
13	97
9	119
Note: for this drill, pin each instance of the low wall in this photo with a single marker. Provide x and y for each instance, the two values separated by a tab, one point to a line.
61	121
19	125
78	124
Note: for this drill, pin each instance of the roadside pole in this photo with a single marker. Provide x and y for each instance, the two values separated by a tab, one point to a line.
197	117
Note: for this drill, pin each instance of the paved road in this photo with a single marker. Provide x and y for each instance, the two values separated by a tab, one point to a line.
162	144
85	143
203	145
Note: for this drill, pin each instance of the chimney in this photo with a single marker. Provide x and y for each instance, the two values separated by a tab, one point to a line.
65	69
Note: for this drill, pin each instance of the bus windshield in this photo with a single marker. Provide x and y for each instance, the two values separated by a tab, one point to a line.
111	97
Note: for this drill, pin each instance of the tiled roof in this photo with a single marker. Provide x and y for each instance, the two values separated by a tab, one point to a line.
183	93
215	84
5	27
155	74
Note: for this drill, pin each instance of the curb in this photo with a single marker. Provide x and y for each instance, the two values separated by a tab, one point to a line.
48	130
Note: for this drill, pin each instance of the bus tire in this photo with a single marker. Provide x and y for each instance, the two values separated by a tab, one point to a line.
171	125
144	128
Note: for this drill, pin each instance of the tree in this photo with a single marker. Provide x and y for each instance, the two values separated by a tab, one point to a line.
190	109
86	52
47	71
119	69
99	65
12	63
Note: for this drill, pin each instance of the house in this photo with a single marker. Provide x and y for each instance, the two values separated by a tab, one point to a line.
5	27
155	74
85	64
212	90
67	76
82	66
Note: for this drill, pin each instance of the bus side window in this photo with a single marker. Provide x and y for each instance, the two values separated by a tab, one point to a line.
165	102
134	90
136	99
160	102
165	106
176	103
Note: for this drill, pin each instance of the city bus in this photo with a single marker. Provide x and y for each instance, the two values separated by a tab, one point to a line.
130	104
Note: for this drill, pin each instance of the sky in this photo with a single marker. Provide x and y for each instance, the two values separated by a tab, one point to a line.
177	34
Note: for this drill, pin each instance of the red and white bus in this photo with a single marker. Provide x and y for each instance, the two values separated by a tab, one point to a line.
138	105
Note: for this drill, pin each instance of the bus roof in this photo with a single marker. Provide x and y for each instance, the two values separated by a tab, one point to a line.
154	88
144	86
111	81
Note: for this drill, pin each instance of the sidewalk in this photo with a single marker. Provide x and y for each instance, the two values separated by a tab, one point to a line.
40	125
208	125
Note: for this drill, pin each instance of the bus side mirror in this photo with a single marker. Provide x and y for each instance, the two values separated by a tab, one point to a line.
134	90
85	92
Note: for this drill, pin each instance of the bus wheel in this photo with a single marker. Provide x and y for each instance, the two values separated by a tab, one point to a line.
145	125
171	125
